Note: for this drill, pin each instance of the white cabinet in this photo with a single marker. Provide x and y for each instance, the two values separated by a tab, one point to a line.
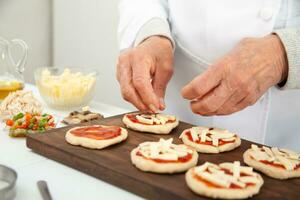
85	34
29	20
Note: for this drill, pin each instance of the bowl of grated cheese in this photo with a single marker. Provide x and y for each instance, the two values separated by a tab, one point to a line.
66	88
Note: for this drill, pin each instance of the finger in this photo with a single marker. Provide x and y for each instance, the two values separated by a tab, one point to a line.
161	78
229	106
128	92
209	104
203	84
141	79
130	95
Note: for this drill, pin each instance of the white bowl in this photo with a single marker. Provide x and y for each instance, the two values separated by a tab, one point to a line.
66	88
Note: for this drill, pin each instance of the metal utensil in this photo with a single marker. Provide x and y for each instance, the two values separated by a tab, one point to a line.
44	190
9	177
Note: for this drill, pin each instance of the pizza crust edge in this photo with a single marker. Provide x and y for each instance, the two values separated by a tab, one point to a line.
92	143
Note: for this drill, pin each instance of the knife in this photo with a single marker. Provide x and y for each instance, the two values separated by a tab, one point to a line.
44	190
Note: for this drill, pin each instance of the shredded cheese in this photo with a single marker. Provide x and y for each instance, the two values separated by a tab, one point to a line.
164	149
206	134
285	157
154	118
216	174
144	120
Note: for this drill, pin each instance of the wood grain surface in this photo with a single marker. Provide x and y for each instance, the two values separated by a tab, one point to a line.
113	164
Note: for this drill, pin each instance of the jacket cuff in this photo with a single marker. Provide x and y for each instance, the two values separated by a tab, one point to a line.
291	42
155	26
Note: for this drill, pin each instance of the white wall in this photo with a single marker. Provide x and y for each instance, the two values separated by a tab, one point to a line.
29	20
85	34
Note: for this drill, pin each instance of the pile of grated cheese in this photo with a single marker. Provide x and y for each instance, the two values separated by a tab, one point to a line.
289	159
215	135
214	174
164	149
66	88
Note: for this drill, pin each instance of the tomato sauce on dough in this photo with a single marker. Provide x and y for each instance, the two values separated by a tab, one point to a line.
221	142
97	132
132	117
277	165
180	159
232	185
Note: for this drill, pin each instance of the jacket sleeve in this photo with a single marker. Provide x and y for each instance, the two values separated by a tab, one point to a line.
140	19
291	42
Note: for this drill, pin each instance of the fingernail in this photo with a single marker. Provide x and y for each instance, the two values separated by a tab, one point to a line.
153	108
162	104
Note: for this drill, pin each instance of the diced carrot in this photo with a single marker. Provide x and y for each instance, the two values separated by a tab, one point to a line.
9	122
21	126
28	117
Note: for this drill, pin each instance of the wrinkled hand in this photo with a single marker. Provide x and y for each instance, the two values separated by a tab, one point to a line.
144	72
240	78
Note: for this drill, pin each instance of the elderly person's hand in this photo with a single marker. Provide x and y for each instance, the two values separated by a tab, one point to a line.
144	72
240	78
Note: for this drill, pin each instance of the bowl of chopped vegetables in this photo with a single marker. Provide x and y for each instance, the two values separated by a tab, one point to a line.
25	123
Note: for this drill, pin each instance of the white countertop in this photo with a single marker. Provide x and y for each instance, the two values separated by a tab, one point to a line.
64	182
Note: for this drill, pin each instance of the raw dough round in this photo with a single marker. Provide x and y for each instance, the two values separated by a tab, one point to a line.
94	143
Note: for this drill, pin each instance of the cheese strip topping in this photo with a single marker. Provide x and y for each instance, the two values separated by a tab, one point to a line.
164	149
216	174
156	119
210	134
285	157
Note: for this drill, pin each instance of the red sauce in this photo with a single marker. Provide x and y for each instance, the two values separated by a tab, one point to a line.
232	185
272	164
230	173
97	132
132	117
277	165
180	159
221	142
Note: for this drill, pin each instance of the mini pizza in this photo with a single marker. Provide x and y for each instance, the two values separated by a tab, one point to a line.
96	136
274	162
164	157
210	140
152	123
224	181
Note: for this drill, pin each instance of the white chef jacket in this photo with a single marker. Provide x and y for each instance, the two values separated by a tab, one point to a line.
205	30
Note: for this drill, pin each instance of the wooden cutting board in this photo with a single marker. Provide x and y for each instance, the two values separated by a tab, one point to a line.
113	164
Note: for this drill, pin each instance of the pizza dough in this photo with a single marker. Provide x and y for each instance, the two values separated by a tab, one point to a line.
96	136
210	140
152	123
224	181
274	162
163	157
